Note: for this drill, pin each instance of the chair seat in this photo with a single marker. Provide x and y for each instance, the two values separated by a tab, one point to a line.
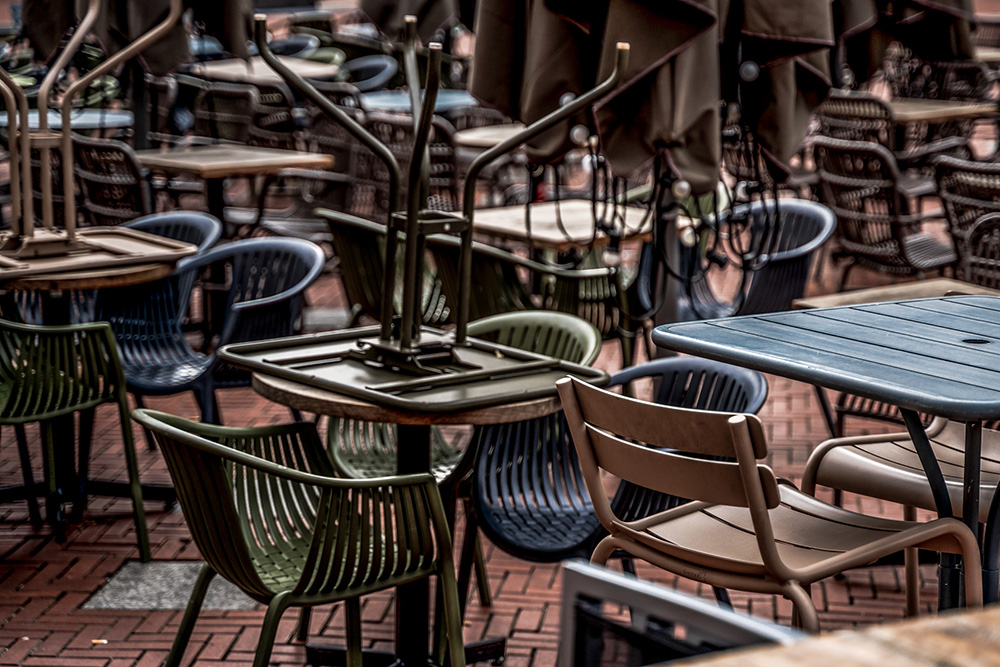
928	252
887	467
807	532
170	370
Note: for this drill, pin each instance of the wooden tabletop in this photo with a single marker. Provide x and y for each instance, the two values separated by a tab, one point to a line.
917	289
938	111
510	223
321	401
255	70
487	137
949	640
123	276
222	160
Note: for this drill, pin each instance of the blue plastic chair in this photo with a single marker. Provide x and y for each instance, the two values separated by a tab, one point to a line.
200	229
528	492
805	226
370	73
263	299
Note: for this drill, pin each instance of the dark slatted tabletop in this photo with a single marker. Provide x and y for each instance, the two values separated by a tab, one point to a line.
939	355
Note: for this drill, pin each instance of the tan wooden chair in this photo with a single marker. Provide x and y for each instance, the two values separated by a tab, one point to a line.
747	529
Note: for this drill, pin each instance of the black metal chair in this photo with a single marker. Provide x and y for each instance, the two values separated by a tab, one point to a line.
878	225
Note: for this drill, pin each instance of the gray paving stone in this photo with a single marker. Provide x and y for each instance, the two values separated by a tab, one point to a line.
163	585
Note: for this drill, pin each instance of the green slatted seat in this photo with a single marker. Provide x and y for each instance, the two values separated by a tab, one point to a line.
319	540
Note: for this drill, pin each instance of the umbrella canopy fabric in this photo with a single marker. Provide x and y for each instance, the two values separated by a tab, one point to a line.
123	21
687	57
389	15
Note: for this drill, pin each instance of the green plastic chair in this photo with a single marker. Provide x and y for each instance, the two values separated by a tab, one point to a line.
319	540
361	449
51	372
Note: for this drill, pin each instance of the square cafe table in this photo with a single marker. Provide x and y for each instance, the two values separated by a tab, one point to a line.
939	355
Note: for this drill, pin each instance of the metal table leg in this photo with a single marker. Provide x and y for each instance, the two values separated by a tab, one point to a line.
949	569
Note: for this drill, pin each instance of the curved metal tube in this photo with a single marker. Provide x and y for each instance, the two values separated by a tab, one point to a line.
358	131
45	157
411	270
483	159
13	103
139	45
412	74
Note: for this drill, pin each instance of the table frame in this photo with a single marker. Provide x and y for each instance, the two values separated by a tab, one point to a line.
794	345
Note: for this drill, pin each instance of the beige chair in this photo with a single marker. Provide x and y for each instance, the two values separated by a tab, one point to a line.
746	530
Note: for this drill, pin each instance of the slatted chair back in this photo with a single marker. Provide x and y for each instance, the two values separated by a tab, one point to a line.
968	190
678	451
267	514
803	228
987	32
360	245
396	132
112	184
528	492
692	383
53	371
980	263
225	111
497	287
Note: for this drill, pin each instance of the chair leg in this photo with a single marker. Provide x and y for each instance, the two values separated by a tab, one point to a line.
452	639
352	614
277	607
844	274
302	631
190	616
722	597
482	578
804	615
150	443
911	568
603	551
34	514
207	405
53	501
135	488
296	415
83	464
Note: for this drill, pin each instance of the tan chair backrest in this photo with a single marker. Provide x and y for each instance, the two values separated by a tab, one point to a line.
665	448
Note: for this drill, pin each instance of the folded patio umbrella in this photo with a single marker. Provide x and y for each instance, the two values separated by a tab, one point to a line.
123	21
389	15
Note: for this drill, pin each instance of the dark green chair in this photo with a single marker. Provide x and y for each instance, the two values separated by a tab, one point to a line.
50	372
362	449
267	514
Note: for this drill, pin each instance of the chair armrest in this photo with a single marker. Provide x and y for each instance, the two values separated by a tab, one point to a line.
926	152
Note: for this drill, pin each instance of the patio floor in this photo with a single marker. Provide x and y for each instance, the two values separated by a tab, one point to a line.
45	618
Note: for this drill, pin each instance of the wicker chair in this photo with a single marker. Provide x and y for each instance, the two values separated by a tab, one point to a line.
225	111
877	226
113	187
968	190
862	117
